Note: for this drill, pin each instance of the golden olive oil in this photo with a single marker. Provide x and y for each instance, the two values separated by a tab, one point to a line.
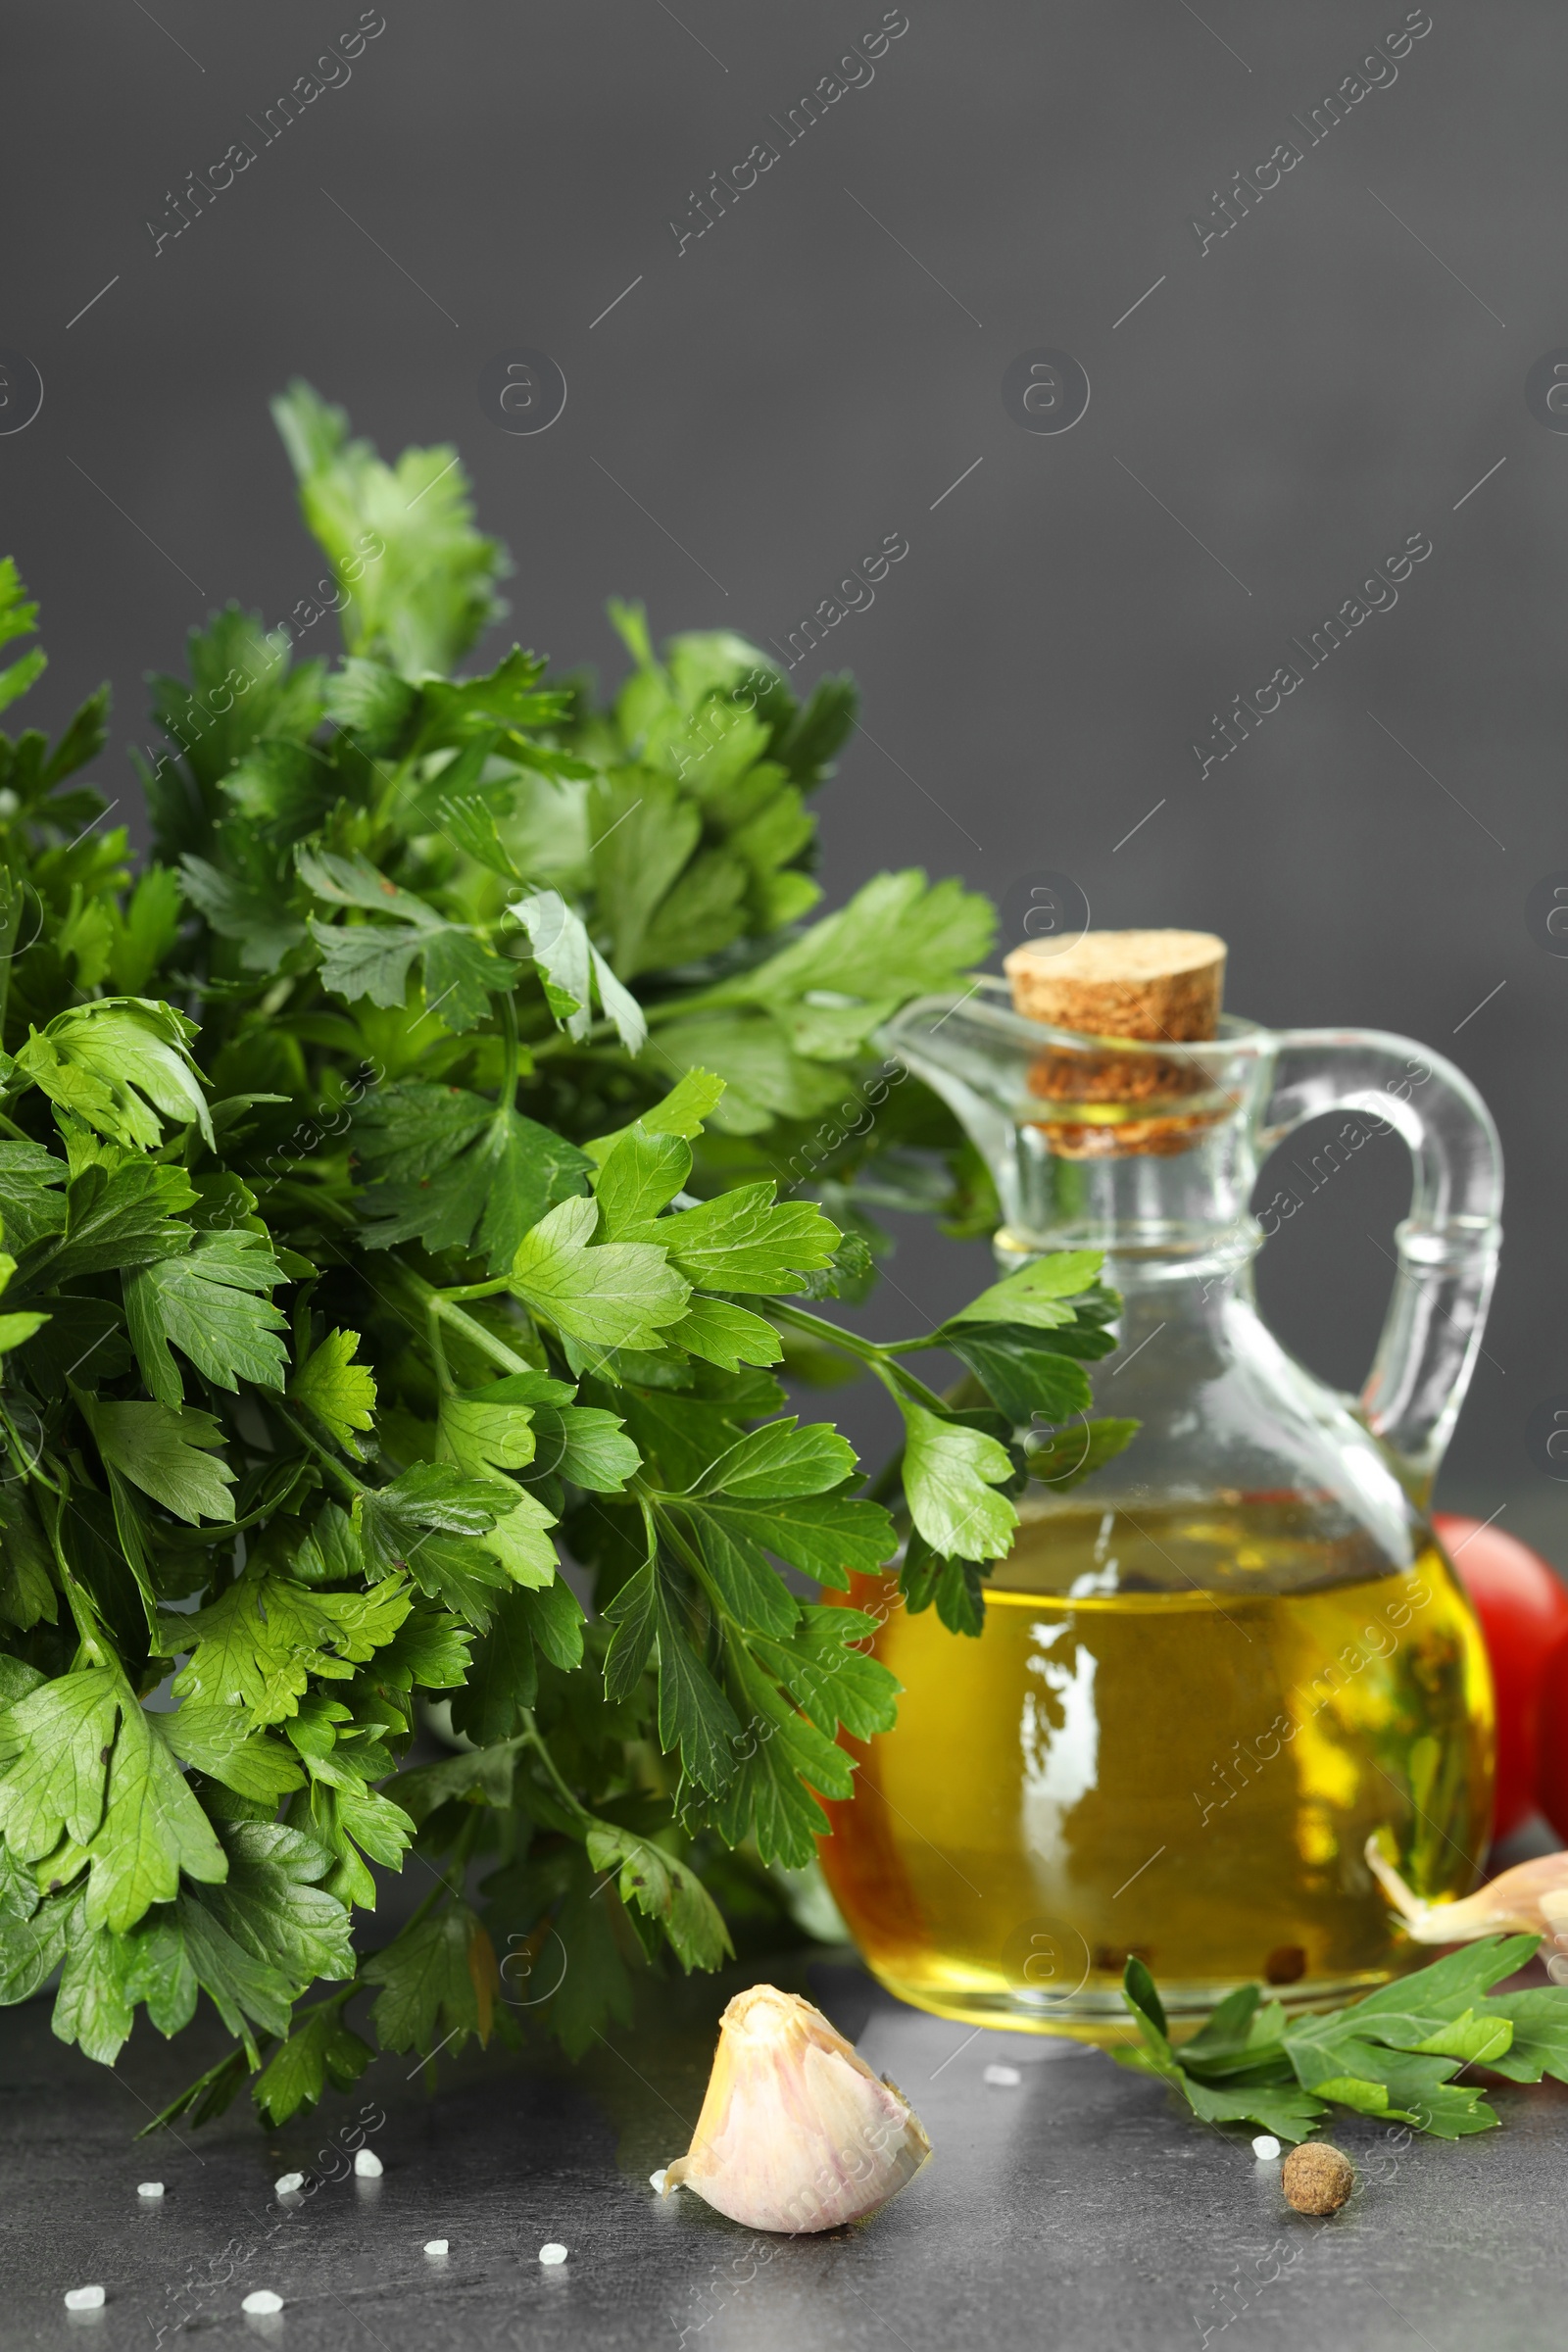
1173	1738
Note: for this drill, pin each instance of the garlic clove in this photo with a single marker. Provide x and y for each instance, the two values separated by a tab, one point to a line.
796	2133
1530	1900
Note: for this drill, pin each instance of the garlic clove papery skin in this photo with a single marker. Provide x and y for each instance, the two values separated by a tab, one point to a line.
796	2133
1530	1899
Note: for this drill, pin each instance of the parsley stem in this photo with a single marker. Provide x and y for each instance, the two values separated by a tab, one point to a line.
900	1385
783	1310
585	1047
438	1354
450	1878
511	1057
905	1389
95	1649
644	1493
701	1000
696	1563
355	1487
443	1308
541	1748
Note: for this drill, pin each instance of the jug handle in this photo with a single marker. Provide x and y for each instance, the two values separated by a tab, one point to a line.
1447	1246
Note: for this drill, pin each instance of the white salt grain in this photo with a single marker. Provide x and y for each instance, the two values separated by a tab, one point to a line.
262	2303
1005	2078
149	2189
85	2298
436	2248
287	2182
1265	2148
657	2180
367	2165
552	2253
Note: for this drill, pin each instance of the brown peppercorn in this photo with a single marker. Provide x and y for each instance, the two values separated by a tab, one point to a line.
1285	1965
1317	2179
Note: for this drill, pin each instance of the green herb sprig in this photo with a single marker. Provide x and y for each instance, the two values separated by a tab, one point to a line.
1395	2055
390	1181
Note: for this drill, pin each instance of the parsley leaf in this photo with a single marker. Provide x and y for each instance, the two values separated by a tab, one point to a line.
257	1646
30	1207
574	972
462	1250
1041	1294
1019	1368
340	1393
427	1521
320	2050
1396	2053
210	1303
169	1453
374	958
614	1295
951	1475
119	1212
456	1172
120	1062
424	598
527	1625
88	1778
653	1882
438	1980
1061	1460
742	1241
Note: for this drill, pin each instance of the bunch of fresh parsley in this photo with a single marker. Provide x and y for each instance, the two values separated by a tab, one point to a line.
1396	2054
389	1183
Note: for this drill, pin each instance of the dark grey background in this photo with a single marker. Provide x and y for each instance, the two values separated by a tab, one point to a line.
817	370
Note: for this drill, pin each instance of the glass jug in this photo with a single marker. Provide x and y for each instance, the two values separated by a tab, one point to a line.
1214	1669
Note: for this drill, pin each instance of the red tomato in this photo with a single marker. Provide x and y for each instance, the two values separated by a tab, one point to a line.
1523	1608
1553	1780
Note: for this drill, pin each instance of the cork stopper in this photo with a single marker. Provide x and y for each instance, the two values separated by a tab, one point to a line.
1155	985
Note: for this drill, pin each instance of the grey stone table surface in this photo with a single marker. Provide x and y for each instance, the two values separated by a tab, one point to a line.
1078	2208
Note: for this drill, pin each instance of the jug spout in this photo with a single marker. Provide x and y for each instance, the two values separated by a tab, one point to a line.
972	1064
